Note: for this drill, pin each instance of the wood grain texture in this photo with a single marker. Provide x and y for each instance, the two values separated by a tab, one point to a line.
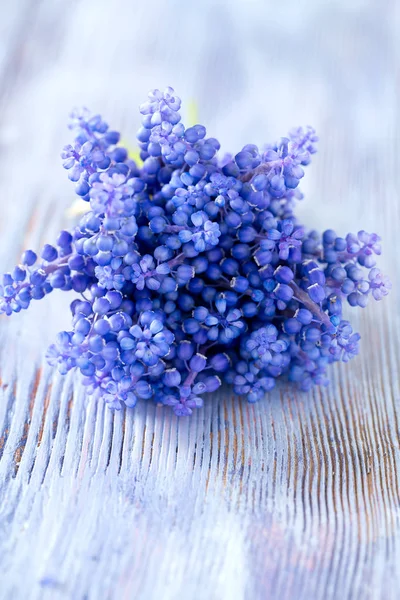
297	497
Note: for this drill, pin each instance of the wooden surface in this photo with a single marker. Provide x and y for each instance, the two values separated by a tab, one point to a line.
294	498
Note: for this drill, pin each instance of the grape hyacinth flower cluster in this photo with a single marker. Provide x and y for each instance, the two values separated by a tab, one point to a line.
190	269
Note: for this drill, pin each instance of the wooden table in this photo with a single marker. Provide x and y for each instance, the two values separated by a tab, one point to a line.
296	497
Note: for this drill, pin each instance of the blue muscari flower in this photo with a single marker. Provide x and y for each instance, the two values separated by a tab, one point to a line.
224	324
223	189
193	195
162	106
149	339
379	284
82	160
285	238
345	342
142	273
181	403
122	387
187	396
109	279
204	234
359	295
32	280
253	386
279	169
194	266
110	194
364	245
146	274
264	345
92	151
117	393
308	373
361	247
63	353
162	134
303	142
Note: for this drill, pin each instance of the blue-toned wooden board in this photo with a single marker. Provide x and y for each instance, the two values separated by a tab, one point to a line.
297	497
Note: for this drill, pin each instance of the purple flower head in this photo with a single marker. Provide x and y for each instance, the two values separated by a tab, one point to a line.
162	134
345	342
92	150
187	397
364	246
118	393
63	354
252	385
204	235
264	345
149	339
193	195
224	324
284	239
145	274
109	279
379	284
125	387
192	266
307	373
223	189
110	193
359	294
281	170
166	140
303	143
86	124
181	404
142	273
163	106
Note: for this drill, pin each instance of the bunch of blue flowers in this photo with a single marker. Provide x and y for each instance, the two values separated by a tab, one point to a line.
192	269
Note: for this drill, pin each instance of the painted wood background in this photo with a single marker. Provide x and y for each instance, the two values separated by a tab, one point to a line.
297	497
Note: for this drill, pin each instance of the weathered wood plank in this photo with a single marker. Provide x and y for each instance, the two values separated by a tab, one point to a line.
296	497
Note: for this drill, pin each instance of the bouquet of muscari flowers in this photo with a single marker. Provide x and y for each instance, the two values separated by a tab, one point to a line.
190	269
